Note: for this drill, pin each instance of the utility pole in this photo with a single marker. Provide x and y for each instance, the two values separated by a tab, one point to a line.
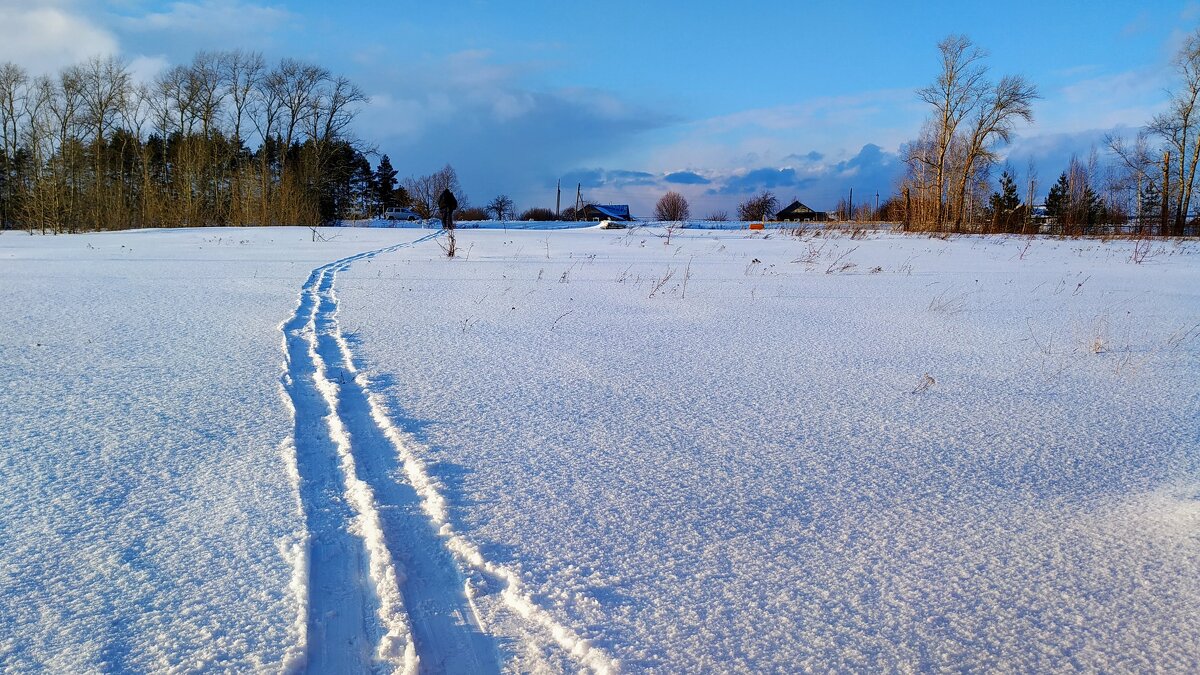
1028	208
1137	204
850	216
1165	223
578	199
558	200
877	205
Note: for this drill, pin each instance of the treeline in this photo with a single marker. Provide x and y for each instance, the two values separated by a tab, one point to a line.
1145	188
420	194
91	148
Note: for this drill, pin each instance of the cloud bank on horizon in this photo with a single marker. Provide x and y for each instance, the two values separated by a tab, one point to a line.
520	103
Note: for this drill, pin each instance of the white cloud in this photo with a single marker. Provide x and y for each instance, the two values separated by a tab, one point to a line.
212	17
49	36
146	68
823	111
1128	98
767	136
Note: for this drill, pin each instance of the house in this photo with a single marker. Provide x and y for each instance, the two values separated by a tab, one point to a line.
798	212
606	212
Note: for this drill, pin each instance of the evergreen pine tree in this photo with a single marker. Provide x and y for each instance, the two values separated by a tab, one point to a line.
1092	209
400	197
1151	206
362	186
1059	197
385	184
1009	199
1003	205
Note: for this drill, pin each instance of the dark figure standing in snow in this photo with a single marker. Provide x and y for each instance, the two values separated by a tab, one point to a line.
447	204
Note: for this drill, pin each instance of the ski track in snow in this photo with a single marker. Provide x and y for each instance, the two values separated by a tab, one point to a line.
378	572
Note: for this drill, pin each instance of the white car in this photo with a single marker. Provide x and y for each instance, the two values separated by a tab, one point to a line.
401	214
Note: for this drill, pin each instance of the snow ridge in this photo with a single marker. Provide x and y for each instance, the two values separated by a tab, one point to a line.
342	521
468	554
445	630
295	549
414	615
396	645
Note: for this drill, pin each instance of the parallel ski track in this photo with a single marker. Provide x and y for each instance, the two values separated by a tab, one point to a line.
380	564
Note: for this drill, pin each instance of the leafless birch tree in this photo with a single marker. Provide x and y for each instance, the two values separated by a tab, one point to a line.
1178	127
971	115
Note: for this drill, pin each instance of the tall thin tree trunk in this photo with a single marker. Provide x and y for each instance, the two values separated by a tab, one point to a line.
1185	204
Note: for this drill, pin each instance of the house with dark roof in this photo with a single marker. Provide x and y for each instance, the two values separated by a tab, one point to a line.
606	212
798	212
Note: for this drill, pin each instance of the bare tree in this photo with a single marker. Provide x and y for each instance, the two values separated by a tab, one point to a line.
297	86
919	186
65	105
501	207
13	93
174	99
137	117
950	163
207	73
335	108
265	104
425	190
759	207
1133	171
242	79
39	139
265	107
1178	127
957	91
996	115
672	210
537	213
104	84
13	108
672	207
242	75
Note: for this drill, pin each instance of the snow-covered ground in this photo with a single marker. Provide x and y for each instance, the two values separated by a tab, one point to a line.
248	450
146	515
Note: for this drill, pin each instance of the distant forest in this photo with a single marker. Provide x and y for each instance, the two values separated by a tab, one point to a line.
92	149
1146	188
229	139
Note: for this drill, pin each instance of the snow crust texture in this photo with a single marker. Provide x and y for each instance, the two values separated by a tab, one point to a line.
749	453
425	611
149	519
146	518
575	449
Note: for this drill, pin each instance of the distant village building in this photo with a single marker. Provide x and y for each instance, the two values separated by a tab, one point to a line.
798	212
606	212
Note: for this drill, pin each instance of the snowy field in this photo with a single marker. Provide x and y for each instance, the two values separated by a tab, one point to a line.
580	449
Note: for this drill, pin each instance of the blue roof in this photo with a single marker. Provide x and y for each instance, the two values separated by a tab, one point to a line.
617	211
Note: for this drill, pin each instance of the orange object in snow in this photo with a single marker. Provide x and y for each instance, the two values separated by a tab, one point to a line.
756	226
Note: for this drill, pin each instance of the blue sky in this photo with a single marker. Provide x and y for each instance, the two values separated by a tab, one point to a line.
713	99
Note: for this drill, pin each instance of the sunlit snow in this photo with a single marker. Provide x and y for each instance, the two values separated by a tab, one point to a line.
247	449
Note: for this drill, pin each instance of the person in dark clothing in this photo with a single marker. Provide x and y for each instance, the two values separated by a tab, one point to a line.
447	204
